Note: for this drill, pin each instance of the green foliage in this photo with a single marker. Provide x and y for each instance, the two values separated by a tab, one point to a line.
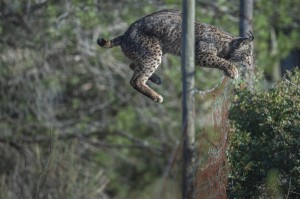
264	147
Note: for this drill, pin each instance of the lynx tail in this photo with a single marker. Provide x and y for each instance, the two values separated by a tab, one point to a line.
109	43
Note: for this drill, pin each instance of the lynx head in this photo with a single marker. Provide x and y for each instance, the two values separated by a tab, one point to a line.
240	50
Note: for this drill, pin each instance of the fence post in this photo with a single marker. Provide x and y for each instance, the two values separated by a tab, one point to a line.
188	105
246	15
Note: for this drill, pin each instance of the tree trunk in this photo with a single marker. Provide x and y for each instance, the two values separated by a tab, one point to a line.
188	106
246	15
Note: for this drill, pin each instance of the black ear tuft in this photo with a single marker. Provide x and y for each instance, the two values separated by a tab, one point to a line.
250	35
241	41
237	43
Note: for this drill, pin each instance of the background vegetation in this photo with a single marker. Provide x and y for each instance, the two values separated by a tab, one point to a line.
72	127
264	148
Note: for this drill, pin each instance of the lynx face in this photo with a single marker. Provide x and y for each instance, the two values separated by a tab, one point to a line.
241	51
242	55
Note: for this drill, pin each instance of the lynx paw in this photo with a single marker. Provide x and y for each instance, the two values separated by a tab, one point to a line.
158	98
232	72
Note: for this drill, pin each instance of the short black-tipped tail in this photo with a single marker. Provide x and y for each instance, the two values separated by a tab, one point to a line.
104	43
109	43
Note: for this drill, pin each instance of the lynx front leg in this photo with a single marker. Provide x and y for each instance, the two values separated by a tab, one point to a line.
213	61
138	82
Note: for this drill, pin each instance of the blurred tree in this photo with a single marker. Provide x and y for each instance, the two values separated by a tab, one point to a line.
188	99
245	28
276	27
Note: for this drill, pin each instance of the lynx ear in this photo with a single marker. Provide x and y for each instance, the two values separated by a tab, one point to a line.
237	43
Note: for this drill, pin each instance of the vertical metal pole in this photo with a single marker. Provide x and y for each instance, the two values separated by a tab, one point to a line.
246	16
188	105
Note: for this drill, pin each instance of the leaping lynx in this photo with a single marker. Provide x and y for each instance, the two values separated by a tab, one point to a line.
149	38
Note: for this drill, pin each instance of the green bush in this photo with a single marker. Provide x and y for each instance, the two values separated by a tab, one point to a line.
264	150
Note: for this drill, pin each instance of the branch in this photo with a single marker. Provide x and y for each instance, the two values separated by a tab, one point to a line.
288	81
37	6
140	143
136	143
20	15
214	91
11	144
122	146
17	14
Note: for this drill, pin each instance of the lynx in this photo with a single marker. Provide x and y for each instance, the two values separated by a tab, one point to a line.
149	38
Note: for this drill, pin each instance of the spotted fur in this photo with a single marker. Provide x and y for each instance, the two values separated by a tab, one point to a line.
148	39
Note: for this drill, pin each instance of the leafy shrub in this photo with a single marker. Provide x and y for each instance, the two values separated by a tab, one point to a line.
264	150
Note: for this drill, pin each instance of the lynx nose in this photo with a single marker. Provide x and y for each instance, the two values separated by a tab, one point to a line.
246	62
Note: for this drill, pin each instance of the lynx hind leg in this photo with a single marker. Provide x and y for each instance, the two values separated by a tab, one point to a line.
153	78
146	58
138	82
143	71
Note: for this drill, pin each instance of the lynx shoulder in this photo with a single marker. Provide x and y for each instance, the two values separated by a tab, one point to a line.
149	38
